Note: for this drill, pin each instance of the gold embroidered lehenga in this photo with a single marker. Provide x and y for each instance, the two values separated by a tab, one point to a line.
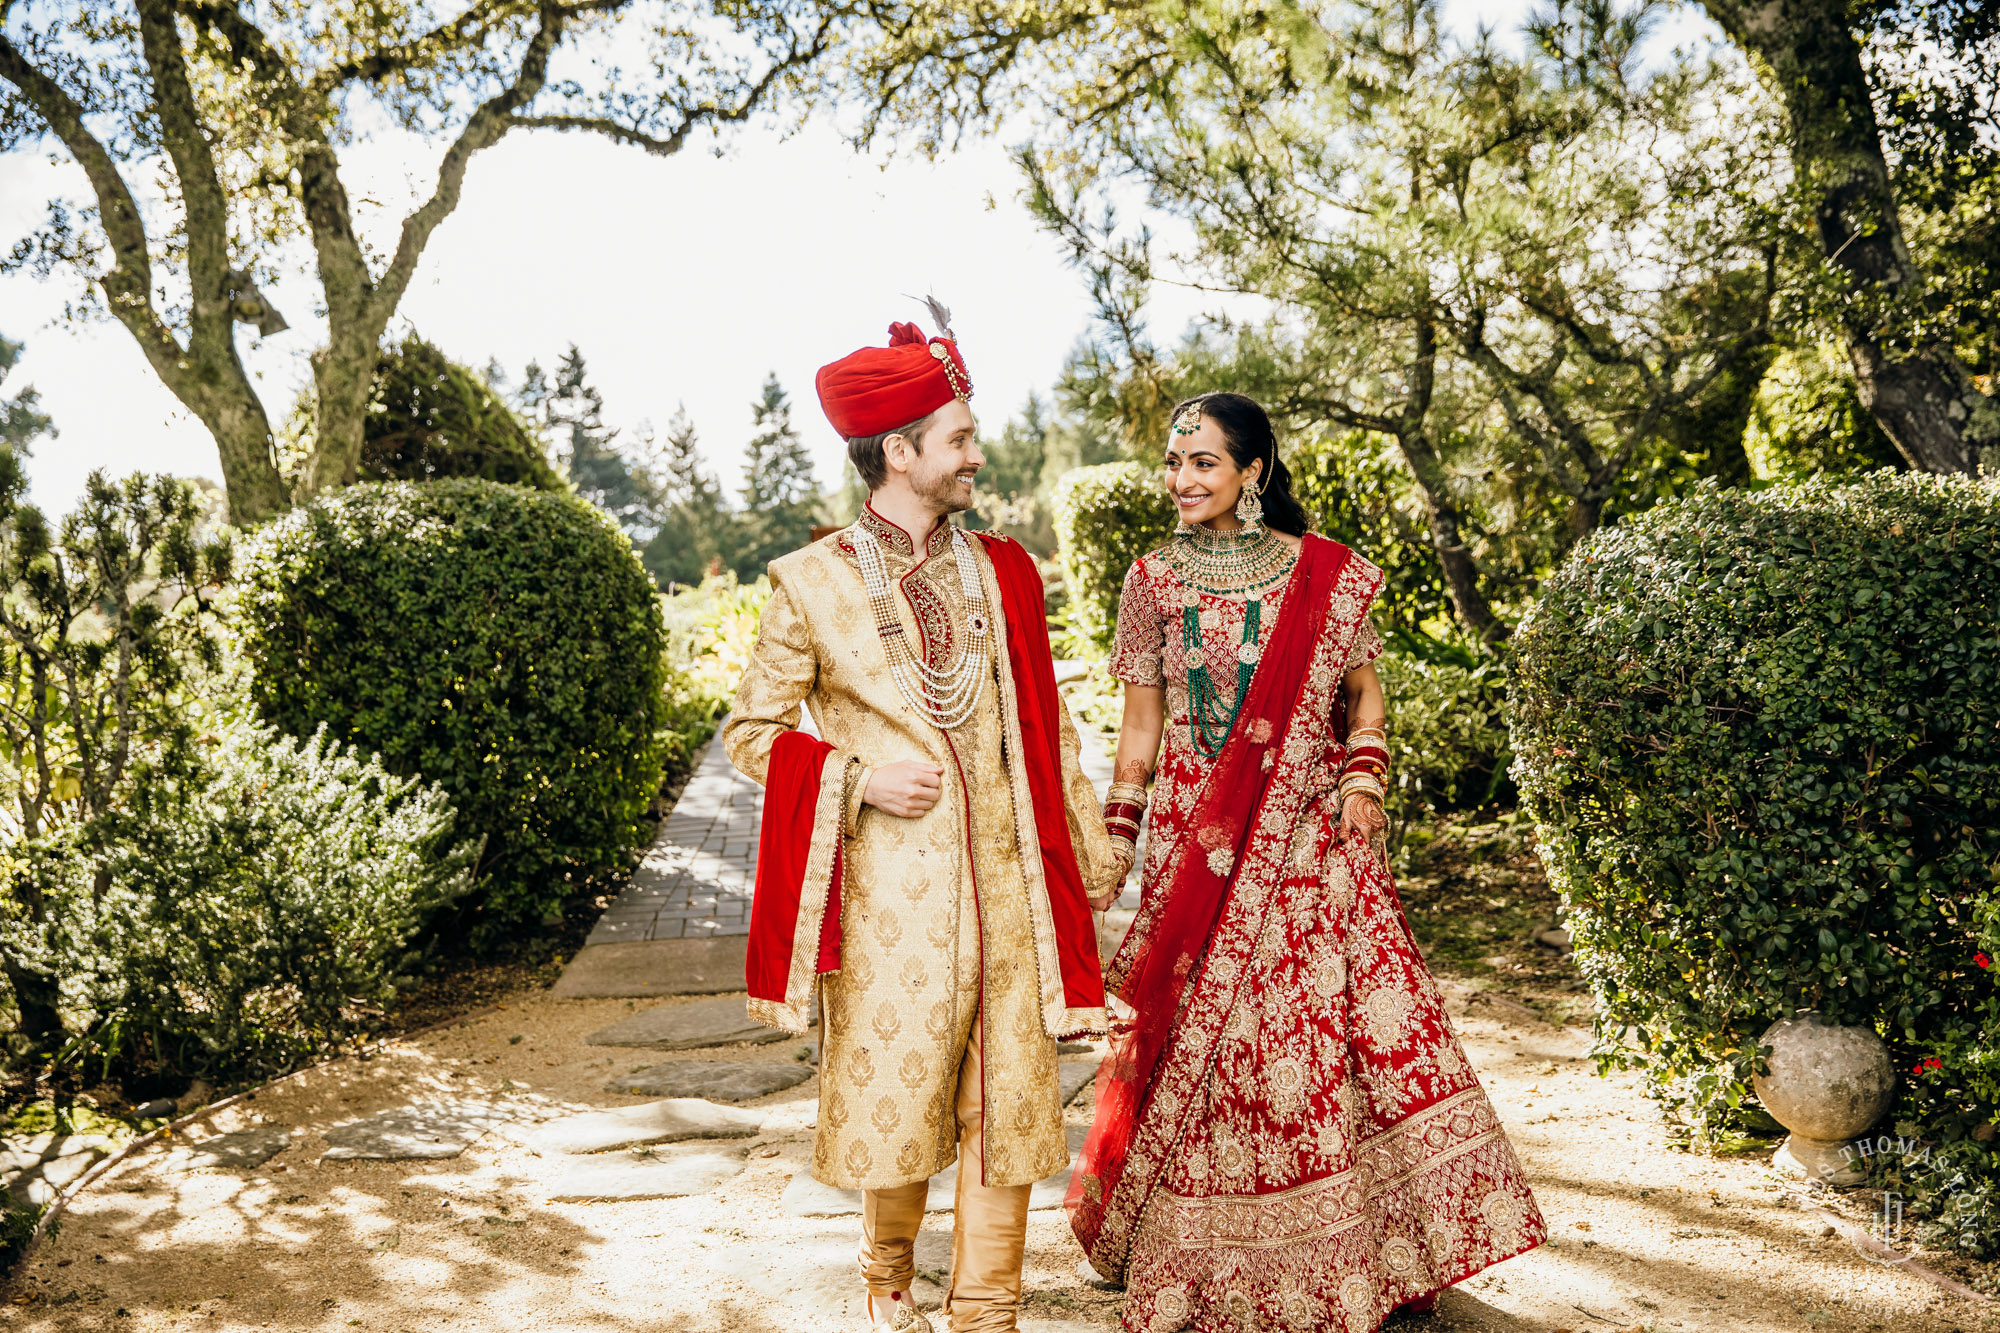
1288	1134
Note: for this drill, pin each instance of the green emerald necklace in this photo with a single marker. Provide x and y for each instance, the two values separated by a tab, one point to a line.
1245	563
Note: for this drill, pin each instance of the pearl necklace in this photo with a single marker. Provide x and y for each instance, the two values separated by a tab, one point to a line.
946	697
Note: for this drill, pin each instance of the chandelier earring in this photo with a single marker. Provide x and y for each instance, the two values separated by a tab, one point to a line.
1249	509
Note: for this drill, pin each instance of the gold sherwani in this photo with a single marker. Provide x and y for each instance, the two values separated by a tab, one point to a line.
943	917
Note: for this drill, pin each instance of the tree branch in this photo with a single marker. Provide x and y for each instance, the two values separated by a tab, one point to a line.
128	287
343	267
707	114
484	128
204	207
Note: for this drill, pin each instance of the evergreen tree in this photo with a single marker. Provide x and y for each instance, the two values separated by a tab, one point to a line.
618	480
21	419
780	494
695	527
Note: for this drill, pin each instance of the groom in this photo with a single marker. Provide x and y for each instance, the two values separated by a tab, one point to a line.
926	861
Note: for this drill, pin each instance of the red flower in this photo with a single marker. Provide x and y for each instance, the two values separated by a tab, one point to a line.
1925	1066
1982	960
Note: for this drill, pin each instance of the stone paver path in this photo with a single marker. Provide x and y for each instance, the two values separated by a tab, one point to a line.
696	879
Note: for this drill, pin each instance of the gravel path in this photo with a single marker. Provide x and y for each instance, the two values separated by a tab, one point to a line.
1645	1238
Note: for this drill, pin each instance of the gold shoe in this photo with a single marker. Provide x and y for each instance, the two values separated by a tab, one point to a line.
897	1316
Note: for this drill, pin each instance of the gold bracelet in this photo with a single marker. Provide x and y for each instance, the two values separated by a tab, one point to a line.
1128	793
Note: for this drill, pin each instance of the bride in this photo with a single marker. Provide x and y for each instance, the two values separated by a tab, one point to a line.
1288	1134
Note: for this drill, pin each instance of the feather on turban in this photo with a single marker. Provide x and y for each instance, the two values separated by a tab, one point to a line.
878	389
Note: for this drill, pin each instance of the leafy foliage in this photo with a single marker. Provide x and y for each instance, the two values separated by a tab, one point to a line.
101	628
1760	738
695	527
1107	516
1527	274
1807	419
1448	748
430	418
246	907
501	642
22	420
1357	493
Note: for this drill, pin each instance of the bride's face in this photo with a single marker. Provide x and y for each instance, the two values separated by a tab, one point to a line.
1203	479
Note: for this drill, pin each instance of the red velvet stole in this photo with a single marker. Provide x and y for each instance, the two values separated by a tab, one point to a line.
784	842
791	794
1027	617
1196	886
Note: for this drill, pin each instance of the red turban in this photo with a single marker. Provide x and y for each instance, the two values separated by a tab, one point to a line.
879	389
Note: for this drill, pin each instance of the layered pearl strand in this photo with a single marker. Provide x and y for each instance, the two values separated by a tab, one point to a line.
946	697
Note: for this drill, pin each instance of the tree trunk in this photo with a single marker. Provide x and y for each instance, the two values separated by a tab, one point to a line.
35	996
343	374
1921	395
249	463
1461	571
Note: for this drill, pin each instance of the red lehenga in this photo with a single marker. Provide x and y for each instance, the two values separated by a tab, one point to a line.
1288	1134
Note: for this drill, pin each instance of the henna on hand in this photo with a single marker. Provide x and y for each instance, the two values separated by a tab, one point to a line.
1363	814
1133	770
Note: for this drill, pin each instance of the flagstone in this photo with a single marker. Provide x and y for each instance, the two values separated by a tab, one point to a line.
684	1027
242	1148
667	1121
646	1173
718	1081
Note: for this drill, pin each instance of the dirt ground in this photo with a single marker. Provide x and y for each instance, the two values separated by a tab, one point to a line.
1643	1237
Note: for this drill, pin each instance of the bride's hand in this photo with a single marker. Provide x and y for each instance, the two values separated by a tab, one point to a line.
1362	814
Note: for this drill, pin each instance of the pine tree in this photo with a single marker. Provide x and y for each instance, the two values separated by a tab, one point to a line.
780	494
617	480
695	528
21	419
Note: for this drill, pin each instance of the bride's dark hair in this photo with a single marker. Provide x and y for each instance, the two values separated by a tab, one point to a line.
1247	429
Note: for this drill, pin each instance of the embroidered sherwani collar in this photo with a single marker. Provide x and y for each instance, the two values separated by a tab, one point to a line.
896	541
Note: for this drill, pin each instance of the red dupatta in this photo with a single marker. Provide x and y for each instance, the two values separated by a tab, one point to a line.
795	911
1196	886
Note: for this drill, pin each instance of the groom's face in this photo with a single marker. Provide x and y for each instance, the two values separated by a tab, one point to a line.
942	472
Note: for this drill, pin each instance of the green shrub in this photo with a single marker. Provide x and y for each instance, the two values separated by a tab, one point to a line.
246	909
1447	731
1107	516
1806	419
430	418
1760	738
1358	491
711	628
501	642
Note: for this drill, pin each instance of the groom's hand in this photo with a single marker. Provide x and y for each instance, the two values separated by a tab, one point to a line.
906	788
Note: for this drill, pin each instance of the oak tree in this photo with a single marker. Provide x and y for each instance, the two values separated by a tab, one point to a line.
211	135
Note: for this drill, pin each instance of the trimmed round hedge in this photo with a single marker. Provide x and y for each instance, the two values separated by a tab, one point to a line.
1107	516
1759	734
502	642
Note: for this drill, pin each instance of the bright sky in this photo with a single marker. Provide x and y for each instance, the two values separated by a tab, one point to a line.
683	280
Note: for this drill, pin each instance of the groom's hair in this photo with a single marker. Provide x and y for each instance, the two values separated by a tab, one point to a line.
865	451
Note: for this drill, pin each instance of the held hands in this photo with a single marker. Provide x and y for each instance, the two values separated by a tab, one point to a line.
906	788
1121	862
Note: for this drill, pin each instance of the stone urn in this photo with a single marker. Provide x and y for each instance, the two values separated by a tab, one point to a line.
1828	1085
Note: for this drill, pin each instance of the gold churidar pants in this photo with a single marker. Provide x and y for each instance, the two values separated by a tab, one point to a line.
988	1234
